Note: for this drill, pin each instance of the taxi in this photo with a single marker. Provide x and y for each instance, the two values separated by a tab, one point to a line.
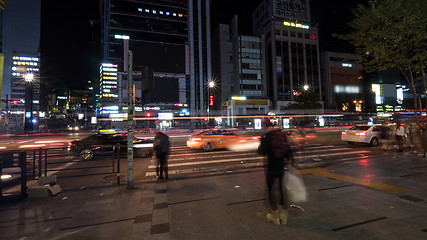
220	139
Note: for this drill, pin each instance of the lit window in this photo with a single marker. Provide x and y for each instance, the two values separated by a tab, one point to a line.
167	13
174	14
154	11
139	9
161	12
147	10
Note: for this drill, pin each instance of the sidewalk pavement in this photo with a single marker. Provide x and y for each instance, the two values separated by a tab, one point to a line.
231	205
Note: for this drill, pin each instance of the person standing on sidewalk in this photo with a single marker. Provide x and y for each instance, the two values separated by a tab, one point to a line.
400	134
275	146
162	147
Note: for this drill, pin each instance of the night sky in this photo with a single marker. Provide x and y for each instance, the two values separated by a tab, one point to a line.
67	46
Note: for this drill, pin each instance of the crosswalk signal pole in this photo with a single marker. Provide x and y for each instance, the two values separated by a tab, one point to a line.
130	122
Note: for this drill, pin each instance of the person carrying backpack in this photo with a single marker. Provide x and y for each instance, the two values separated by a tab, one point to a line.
275	146
161	147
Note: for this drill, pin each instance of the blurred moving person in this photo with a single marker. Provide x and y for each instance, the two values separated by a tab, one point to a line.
386	138
275	146
162	147
400	134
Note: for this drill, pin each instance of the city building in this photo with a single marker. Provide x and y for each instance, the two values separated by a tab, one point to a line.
200	70
156	32
237	63
290	46
19	84
342	82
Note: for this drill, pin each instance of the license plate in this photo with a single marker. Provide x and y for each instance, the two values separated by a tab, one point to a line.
350	133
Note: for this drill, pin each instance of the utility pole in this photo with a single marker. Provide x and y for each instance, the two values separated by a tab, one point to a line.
130	121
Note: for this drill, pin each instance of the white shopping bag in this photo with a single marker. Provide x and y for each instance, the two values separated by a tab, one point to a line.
295	187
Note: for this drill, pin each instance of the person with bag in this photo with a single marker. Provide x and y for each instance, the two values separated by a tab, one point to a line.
161	146
275	146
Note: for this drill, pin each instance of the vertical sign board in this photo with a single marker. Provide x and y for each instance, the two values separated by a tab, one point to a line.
257	123
286	123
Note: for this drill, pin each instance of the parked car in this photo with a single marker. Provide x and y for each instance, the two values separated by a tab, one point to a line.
220	139
370	134
102	144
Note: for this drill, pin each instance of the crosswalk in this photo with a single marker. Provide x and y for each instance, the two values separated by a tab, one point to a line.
184	161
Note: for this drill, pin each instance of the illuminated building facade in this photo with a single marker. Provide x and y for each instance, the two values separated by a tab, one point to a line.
108	87
156	32
342	81
21	57
291	60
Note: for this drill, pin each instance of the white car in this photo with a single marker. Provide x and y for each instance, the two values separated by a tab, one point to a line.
370	134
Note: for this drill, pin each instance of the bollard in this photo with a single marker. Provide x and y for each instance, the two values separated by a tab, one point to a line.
45	162
40	162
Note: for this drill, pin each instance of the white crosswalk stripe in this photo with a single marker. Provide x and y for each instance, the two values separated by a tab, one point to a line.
185	161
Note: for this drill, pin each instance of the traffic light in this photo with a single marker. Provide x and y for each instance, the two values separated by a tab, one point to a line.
148	114
206	119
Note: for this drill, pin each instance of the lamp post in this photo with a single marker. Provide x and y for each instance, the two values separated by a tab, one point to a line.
127	67
28	105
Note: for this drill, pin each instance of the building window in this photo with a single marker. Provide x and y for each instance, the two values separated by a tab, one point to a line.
300	35
292	34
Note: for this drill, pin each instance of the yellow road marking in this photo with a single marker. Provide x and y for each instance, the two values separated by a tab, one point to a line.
364	182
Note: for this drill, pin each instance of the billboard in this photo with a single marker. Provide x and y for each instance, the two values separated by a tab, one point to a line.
292	9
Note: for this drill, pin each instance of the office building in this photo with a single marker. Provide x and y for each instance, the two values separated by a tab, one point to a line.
342	81
156	33
21	61
237	64
291	59
199	39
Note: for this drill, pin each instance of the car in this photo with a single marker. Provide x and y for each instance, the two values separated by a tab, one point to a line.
102	144
211	139
370	134
301	138
73	128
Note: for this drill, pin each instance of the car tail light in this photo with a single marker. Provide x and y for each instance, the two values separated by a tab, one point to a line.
70	144
361	134
343	133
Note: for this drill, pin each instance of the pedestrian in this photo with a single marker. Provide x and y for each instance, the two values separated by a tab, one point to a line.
161	147
275	146
400	134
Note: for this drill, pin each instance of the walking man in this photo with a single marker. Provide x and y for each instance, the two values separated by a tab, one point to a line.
161	147
275	146
400	134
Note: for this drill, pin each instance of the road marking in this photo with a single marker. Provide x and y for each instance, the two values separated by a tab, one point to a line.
364	182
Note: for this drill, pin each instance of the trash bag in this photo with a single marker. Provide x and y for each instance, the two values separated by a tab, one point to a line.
295	187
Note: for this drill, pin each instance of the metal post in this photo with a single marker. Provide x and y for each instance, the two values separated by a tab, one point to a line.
114	156
40	162
118	165
23	164
34	164
45	162
130	121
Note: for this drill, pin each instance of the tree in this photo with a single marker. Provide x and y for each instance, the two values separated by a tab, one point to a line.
2	4
392	34
306	100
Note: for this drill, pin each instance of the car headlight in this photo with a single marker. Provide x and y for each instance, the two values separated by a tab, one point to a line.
76	128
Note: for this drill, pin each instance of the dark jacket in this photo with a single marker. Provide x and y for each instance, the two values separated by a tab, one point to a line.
274	164
161	144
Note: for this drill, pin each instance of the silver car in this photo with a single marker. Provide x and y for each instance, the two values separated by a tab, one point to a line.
370	134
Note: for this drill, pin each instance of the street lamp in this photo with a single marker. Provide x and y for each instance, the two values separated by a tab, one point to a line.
28	107
306	87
